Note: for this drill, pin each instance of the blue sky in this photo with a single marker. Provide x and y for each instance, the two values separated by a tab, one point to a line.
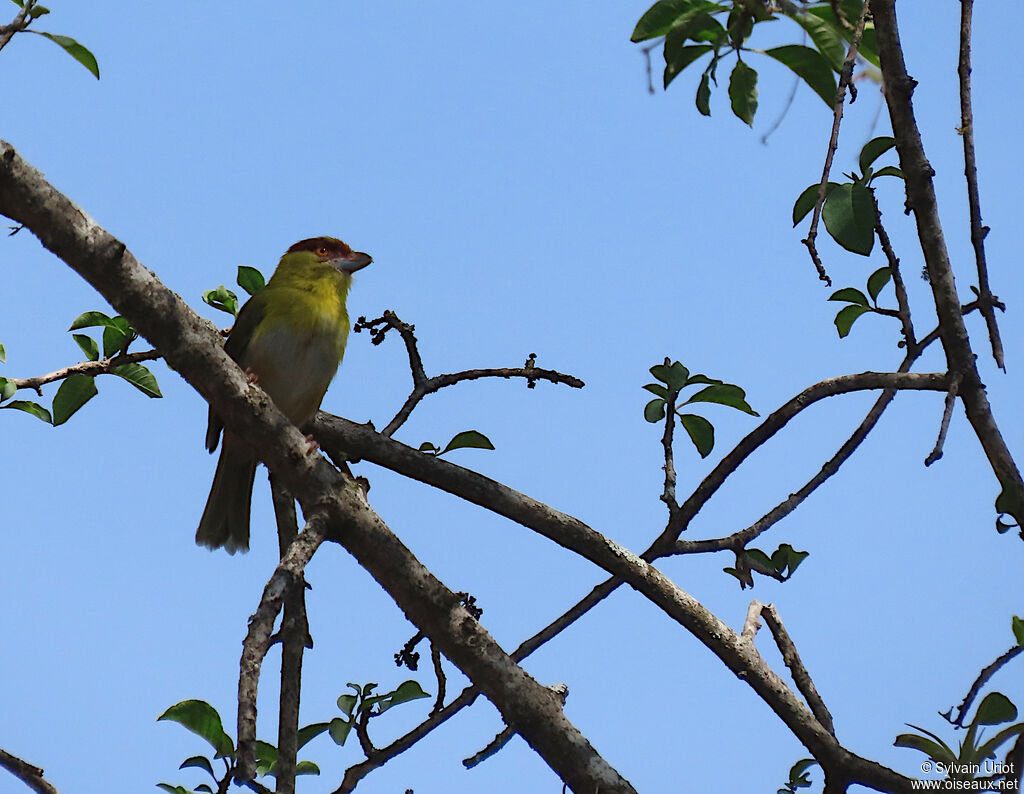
520	192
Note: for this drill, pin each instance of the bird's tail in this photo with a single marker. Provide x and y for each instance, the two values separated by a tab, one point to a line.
225	520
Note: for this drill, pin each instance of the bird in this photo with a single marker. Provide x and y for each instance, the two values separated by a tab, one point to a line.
290	338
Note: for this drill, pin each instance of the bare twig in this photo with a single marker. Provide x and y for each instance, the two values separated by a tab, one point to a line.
422	385
99	367
294	633
646	52
910	341
979	682
947	414
837	116
435	658
738	540
773	424
505	735
20	22
801	677
978	231
668	494
31	776
287	576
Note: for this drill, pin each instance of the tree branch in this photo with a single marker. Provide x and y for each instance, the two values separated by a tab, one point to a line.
99	367
978	231
31	776
918	173
20	22
837	117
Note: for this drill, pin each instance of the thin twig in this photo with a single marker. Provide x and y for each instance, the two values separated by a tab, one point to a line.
833	143
435	658
738	540
505	735
801	677
980	681
978	231
422	385
947	413
668	495
902	300
31	776
99	367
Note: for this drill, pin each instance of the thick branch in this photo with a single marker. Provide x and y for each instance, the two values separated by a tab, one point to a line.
921	200
31	776
192	348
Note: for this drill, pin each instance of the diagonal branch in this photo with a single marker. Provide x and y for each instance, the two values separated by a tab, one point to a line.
31	776
978	231
918	173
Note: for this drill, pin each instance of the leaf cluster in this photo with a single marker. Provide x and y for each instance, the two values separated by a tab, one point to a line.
77	51
203	720
849	207
673	378
781	565
77	389
362	706
693	29
249	278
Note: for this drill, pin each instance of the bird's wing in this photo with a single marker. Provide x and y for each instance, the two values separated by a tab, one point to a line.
249	316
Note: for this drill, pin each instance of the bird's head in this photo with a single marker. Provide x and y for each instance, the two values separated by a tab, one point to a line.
333	252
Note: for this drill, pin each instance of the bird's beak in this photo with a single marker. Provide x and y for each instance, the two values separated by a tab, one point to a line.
357	260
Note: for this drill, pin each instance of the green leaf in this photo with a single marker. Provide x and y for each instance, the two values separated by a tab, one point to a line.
346	703
88	345
889	170
202	787
849	216
704	95
173	789
90	320
878	280
306	768
203	720
266	758
868	45
934	750
116	336
74	49
674	375
810	66
724	394
74	392
850	295
805	203
7	389
310	732
139	377
698	26
701	432
654	411
825	37
200	762
432	449
38	11
30	407
472	439
792	557
657	388
665	14
678	58
743	92
3	355
1018	629
995	709
250	279
339	730
761	562
406	691
874	149
222	298
846	317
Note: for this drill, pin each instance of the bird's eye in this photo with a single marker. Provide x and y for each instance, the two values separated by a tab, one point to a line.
322	251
